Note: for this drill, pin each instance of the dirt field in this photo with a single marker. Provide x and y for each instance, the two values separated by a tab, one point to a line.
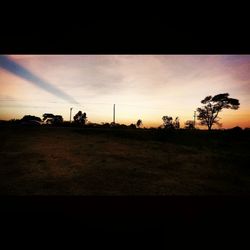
85	161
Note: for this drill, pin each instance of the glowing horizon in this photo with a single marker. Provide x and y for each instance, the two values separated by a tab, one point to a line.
143	87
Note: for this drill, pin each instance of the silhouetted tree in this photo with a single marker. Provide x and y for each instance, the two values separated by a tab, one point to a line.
123	126
189	124
139	123
52	119
168	122
58	119
47	117
208	114
132	125
30	120
176	123
80	118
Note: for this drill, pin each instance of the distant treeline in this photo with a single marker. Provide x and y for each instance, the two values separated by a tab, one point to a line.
38	122
207	115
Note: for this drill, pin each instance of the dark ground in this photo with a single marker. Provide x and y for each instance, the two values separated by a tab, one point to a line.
97	161
78	186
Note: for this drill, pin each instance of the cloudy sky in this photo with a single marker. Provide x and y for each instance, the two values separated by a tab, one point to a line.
143	87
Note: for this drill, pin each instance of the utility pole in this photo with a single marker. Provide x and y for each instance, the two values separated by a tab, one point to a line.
70	113
194	118
114	114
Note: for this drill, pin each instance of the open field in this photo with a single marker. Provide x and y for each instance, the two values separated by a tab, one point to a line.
97	161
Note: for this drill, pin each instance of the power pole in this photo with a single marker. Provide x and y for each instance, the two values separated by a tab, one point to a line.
70	113
114	114
194	118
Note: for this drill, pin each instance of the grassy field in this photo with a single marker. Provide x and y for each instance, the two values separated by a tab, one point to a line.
96	161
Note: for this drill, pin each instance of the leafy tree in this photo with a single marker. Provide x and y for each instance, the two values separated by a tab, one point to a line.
189	124
168	122
132	125
30	120
52	119
47	117
58	119
208	114
139	123
80	118
176	123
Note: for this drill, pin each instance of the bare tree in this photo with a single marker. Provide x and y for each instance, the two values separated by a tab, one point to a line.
208	114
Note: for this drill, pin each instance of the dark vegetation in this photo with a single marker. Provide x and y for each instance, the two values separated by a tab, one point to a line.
208	115
50	160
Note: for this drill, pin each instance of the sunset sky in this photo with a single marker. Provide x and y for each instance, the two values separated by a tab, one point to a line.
143	87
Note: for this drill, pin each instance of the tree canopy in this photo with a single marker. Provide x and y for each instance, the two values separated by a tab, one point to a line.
213	105
80	118
139	123
168	122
